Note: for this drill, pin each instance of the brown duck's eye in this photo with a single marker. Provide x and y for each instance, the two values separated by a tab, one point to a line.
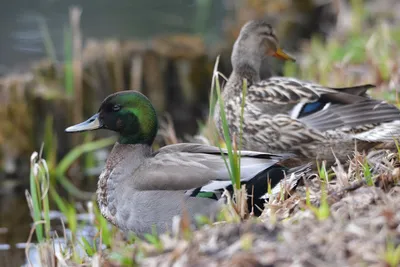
271	43
116	107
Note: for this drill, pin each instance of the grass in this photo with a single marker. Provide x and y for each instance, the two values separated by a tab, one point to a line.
47	40
367	173
321	212
41	194
45	177
38	198
234	160
69	71
239	194
392	254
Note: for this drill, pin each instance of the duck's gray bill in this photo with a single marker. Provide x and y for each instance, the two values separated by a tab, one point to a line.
92	123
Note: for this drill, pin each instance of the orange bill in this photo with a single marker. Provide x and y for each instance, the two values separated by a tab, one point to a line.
282	55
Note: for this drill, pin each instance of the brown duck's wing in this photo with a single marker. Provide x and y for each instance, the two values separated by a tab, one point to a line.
347	95
283	90
355	90
352	116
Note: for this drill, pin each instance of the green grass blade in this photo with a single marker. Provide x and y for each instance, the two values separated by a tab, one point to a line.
367	173
68	68
72	189
106	235
87	247
58	200
397	148
244	93
89	160
323	211
228	141
47	41
71	157
202	14
76	152
50	150
45	184
35	197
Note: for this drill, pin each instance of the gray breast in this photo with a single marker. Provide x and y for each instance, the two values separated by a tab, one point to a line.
142	210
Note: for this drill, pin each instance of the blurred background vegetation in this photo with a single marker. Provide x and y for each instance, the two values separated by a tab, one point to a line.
59	59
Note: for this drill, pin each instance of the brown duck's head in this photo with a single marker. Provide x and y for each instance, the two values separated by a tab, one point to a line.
256	41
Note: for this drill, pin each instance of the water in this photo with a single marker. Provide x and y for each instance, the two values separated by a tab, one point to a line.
14	228
22	21
16	225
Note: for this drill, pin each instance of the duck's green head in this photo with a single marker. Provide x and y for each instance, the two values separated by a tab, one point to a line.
129	113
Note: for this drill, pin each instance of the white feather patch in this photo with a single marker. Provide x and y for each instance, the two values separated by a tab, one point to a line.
327	106
250	167
384	132
215	185
295	112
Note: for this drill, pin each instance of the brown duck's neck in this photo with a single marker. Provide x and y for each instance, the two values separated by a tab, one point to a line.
246	64
243	71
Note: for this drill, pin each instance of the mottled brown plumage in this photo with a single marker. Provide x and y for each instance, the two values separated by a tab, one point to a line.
289	115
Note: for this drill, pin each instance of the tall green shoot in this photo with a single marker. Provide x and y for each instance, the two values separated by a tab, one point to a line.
47	41
62	167
68	68
391	256
367	173
233	157
397	148
323	211
243	104
39	187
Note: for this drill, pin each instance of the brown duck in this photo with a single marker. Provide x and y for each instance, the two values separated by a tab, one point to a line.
289	115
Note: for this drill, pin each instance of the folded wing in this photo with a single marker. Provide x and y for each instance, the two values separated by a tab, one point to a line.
188	166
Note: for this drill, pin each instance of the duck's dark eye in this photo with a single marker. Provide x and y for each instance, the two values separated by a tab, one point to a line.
116	107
